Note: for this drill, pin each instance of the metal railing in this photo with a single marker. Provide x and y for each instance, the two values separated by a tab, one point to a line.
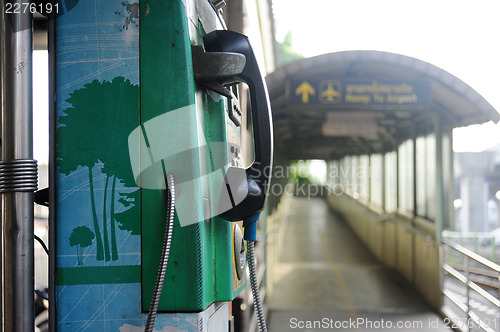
478	242
462	273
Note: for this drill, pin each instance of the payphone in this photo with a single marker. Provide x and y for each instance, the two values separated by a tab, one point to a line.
136	102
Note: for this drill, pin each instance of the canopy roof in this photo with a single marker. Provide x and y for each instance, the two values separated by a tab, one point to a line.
360	102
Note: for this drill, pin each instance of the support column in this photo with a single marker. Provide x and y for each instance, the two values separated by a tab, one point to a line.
398	205
440	203
450	179
473	168
414	180
440	198
18	175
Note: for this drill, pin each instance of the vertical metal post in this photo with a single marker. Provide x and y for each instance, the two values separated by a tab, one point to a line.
451	179
415	182
382	180
2	84
497	318
414	207
369	173
425	189
440	201
467	275
17	170
398	171
51	44
383	202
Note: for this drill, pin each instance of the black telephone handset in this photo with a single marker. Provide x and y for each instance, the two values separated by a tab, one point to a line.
247	188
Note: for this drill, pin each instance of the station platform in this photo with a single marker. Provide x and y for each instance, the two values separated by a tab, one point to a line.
328	280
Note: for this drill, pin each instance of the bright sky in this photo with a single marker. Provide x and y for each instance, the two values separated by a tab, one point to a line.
40	107
461	37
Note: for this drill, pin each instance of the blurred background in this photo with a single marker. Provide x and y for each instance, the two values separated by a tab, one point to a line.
458	37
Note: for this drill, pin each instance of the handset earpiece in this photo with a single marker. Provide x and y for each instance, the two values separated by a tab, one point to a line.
247	188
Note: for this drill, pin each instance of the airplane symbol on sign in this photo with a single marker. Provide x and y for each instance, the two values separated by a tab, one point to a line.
330	92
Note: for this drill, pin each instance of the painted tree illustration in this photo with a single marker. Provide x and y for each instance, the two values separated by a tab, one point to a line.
119	168
81	237
79	149
95	130
123	121
128	219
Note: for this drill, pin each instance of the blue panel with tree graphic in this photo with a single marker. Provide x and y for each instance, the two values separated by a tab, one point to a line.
98	248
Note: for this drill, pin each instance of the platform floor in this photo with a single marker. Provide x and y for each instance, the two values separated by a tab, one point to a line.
330	281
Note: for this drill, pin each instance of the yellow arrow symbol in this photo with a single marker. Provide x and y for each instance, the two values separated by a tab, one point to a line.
305	89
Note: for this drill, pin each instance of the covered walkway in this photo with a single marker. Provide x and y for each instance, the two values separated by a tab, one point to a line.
325	274
383	123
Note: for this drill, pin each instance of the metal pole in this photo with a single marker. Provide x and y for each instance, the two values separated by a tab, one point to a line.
17	170
2	84
382	180
52	167
414	207
440	201
467	274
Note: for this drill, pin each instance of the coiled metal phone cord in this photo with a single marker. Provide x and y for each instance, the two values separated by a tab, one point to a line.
160	278
259	312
